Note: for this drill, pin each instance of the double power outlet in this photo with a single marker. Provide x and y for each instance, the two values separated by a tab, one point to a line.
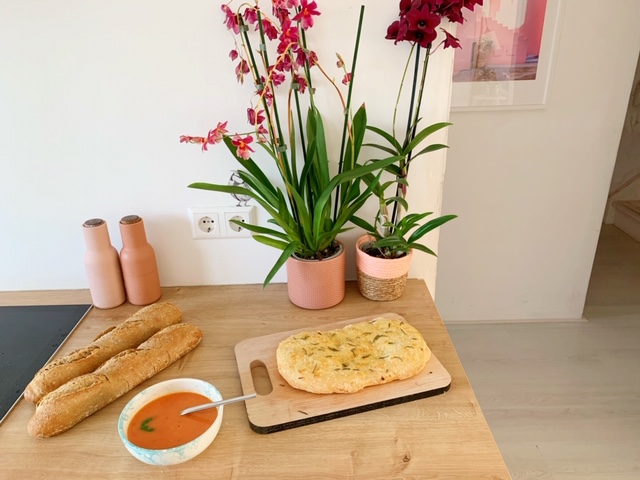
215	222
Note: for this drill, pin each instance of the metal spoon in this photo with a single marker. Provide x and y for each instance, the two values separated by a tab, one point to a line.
204	406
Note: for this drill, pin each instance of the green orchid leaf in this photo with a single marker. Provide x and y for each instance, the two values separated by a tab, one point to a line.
352	150
388	150
360	222
393	242
267	192
271	242
409	221
429	226
431	148
399	200
304	218
388	137
287	251
422	134
422	248
320	157
262	230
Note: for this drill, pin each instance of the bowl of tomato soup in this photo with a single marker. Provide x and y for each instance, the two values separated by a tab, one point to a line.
153	431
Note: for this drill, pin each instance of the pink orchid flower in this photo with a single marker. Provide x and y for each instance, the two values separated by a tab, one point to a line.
251	16
243	150
217	134
195	140
231	19
241	70
262	134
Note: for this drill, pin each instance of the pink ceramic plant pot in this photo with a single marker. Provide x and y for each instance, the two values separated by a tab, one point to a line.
316	284
381	279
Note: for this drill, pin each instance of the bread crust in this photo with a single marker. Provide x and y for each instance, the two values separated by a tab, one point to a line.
129	334
82	396
349	359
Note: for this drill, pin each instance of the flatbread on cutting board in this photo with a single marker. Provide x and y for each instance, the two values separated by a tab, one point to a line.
349	359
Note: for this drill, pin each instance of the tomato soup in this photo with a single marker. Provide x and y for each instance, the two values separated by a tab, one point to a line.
159	425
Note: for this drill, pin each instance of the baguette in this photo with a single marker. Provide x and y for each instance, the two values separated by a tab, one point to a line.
129	334
84	395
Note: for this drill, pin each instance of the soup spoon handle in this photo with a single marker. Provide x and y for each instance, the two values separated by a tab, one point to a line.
217	404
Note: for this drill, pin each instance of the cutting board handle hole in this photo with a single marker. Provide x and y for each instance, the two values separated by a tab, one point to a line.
260	377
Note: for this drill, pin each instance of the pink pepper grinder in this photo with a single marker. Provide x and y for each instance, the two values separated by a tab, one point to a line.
102	265
138	260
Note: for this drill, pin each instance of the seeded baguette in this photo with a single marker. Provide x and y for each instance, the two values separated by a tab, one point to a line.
84	395
129	334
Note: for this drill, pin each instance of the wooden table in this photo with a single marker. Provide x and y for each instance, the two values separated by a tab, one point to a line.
445	436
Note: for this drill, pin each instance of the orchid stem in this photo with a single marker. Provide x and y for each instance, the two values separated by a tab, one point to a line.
412	124
347	110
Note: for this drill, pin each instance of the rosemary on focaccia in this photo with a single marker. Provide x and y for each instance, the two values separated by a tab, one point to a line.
349	359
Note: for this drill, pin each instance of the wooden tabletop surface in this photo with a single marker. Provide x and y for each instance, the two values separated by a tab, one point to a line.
440	437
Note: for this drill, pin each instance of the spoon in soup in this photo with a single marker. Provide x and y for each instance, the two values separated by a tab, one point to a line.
205	406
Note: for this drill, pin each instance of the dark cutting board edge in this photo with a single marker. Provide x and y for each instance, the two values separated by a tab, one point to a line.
348	411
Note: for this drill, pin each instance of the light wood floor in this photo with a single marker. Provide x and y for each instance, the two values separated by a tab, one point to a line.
563	399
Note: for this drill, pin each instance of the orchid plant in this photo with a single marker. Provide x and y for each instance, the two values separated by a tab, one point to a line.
309	205
395	232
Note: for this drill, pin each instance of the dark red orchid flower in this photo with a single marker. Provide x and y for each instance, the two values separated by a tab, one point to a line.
282	14
269	29
255	116
422	25
276	77
393	30
453	9
288	36
419	19
301	82
450	40
284	63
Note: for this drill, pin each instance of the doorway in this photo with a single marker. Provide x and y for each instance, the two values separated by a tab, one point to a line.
614	286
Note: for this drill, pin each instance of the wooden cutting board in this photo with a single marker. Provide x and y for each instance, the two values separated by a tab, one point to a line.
285	407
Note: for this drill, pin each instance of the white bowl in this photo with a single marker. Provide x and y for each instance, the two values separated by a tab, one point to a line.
182	453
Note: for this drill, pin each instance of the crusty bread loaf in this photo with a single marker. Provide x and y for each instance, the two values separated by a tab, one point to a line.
129	334
82	396
349	359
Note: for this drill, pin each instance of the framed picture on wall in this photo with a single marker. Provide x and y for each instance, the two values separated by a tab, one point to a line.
507	54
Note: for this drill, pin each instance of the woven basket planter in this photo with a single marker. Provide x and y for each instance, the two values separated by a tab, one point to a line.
381	279
316	284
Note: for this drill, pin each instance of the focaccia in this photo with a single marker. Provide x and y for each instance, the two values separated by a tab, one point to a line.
349	359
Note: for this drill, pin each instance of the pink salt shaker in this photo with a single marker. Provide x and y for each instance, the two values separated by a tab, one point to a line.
102	265
138	261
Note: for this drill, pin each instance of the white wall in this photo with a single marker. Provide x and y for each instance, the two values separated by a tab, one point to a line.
93	99
530	186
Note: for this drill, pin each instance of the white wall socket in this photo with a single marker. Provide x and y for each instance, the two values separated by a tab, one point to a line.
215	221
